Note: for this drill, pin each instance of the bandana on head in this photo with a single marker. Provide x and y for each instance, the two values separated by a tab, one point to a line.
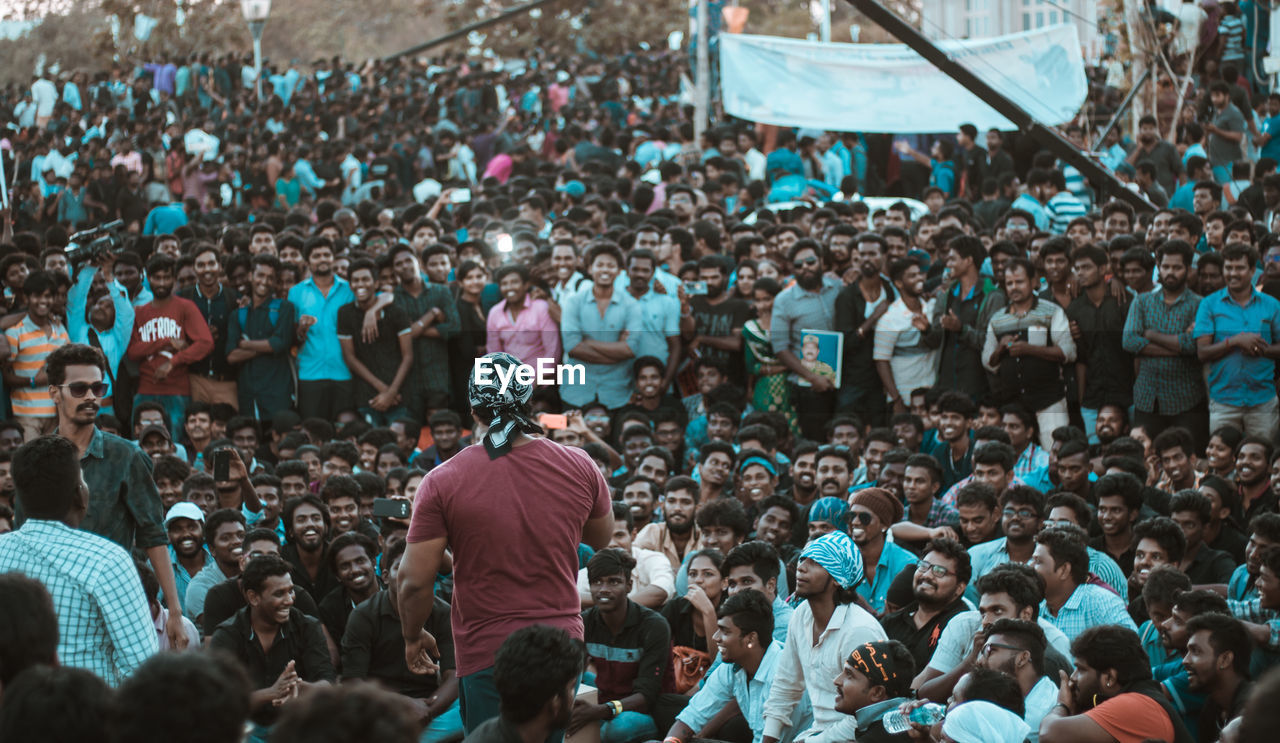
503	408
875	662
831	510
837	555
768	466
984	722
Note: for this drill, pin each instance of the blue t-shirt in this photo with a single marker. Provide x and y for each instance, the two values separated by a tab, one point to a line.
1271	149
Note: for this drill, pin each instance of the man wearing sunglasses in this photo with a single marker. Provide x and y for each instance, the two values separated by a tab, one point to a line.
124	505
807	305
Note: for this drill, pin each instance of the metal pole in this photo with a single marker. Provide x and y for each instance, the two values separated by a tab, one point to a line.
702	90
255	28
462	32
1048	137
1124	106
826	22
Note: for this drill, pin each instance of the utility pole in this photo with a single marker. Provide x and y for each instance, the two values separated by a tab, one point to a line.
702	89
826	22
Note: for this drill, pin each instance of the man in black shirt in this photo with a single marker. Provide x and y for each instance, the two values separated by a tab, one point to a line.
1217	666
351	558
938	586
226	598
715	329
281	649
536	672
381	367
307	526
876	680
373	648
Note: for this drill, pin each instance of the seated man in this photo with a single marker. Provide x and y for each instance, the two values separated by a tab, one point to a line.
754	566
750	654
938	588
1016	647
1069	602
226	598
373	648
629	647
1010	591
351	557
536	672
652	581
295	659
876	680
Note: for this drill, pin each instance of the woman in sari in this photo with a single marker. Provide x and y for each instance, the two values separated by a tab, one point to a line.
770	390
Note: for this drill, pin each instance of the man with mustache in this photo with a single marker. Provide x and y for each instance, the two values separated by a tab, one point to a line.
808	305
677	532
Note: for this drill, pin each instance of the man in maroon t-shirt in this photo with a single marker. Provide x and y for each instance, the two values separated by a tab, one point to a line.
513	511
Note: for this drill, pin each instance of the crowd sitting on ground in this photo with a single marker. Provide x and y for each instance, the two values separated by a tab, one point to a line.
1009	449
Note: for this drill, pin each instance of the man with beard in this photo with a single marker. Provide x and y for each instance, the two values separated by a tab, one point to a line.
351	559
211	378
1016	648
380	368
903	360
875	681
714	326
225	530
1169	389
226	598
859	306
536	672
808	305
124	505
594	326
677	531
833	472
1027	344
324	381
658	315
1110	696
1217	665
938	587
953	325
976	505
775	523
307	525
824	630
1238	335
185	524
169	334
296	659
749	645
1021	514
372	648
872	511
259	338
1161	153
804	474
1097	323
341	496
1111	423
640	494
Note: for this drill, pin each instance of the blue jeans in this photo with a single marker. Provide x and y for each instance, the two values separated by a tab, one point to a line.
175	408
478	699
626	727
446	727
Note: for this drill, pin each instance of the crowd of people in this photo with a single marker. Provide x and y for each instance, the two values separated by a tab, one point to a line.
425	401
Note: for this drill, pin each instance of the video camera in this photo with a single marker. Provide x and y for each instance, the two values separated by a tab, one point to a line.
89	244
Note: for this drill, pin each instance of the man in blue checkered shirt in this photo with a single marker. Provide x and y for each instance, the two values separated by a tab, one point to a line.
104	622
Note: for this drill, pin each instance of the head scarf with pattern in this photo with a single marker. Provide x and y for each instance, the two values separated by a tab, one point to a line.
836	554
499	398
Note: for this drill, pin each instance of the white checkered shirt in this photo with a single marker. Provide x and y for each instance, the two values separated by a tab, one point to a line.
104	622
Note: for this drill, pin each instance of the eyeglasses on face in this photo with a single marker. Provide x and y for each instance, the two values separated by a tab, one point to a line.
991	647
937	570
79	389
1020	513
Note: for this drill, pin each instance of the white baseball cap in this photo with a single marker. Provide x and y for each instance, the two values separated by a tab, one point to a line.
184	510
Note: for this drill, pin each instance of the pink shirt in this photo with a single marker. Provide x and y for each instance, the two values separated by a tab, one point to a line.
499	167
532	336
514	524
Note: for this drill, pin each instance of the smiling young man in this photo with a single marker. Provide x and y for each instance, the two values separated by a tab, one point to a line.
903	360
1022	512
307	526
1253	477
594	327
351	559
282	650
259	341
1119	499
212	379
1217	665
938	587
872	511
520	324
184	523
224	530
31	340
324	381
226	598
954	451
1157	541
380	367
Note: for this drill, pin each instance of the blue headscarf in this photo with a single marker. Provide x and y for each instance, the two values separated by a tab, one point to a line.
831	510
836	554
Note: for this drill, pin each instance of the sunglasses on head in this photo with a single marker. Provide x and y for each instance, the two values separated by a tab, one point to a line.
79	389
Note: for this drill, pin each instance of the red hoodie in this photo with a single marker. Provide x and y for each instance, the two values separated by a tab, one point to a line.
153	330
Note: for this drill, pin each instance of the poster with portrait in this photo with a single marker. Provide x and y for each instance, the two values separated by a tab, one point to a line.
822	351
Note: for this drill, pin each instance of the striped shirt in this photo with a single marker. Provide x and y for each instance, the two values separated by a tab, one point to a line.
30	345
1063	208
104	621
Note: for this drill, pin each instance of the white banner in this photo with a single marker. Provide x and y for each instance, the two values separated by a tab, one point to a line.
890	88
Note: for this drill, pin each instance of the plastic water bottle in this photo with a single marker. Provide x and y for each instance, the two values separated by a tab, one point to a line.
927	715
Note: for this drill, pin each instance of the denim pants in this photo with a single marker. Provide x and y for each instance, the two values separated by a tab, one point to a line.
445	727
